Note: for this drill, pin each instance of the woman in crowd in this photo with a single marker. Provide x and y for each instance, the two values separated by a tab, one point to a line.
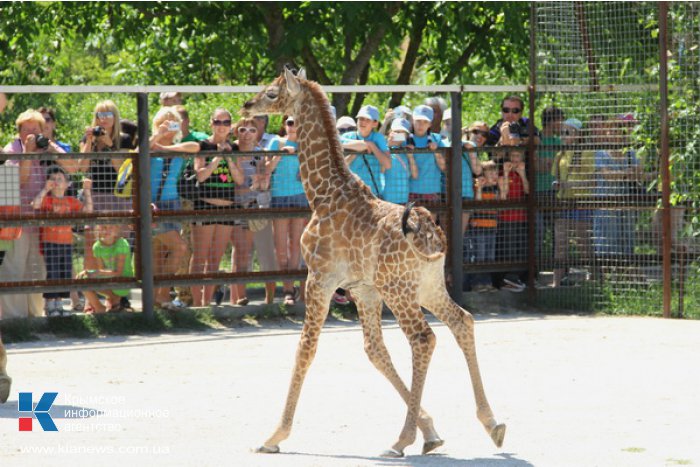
247	235
218	177
287	191
103	135
24	262
169	248
573	172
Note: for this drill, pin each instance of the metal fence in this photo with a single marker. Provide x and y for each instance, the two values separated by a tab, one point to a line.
605	225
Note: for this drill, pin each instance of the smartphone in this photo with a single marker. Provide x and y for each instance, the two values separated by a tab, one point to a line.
173	126
399	137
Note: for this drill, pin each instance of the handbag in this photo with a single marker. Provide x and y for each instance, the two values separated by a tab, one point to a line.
188	186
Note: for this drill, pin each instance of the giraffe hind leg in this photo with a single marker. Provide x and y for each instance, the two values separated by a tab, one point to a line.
369	307
461	324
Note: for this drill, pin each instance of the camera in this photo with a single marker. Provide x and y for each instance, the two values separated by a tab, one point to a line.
173	126
515	129
98	131
41	141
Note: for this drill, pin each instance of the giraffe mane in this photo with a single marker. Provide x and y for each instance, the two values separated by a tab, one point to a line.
319	97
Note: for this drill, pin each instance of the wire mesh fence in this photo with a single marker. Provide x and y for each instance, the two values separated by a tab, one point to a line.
561	193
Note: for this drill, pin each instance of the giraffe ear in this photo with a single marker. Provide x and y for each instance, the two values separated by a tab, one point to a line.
292	82
302	73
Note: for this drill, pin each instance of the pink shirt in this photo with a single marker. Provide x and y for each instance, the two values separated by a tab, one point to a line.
37	177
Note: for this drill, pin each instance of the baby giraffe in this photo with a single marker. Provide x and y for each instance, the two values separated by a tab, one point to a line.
380	251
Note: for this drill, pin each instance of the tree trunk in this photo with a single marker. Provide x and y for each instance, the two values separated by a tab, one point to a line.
409	61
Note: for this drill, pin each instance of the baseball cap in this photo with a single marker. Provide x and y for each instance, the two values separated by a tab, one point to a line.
423	112
345	122
369	111
402	111
573	123
401	124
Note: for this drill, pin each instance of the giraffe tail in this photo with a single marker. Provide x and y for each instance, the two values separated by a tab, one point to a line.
431	238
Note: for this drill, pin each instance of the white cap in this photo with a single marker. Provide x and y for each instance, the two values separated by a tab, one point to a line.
345	122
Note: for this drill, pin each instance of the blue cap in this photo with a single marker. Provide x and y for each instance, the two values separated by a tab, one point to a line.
423	112
368	111
401	124
574	123
402	111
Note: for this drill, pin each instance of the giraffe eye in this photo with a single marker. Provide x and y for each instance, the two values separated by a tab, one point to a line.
271	95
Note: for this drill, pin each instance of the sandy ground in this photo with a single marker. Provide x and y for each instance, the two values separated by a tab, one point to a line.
574	391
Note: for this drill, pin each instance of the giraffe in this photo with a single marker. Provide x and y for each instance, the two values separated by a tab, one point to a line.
382	252
5	381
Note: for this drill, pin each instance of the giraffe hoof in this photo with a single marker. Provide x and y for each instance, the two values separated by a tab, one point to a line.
431	445
268	449
498	433
393	453
5	384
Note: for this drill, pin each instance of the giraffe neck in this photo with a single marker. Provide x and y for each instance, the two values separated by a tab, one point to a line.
324	173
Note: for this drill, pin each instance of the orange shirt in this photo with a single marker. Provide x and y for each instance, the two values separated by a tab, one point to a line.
62	234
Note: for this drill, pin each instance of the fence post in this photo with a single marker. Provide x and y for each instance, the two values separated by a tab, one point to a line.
532	201
144	240
667	233
456	240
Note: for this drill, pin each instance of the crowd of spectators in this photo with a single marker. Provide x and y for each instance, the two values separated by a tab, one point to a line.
201	171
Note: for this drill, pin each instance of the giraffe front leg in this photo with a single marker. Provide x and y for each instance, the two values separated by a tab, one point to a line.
369	306
422	341
317	300
5	381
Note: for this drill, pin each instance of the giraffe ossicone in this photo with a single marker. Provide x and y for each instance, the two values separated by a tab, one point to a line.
382	252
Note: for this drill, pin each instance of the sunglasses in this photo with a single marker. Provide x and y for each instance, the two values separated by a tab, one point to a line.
247	129
104	114
479	132
221	122
508	110
346	130
289	123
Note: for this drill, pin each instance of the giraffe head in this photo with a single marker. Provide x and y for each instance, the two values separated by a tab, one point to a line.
277	97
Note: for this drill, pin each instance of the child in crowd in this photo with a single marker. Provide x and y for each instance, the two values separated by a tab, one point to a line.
483	224
113	256
403	166
512	223
425	188
371	151
57	240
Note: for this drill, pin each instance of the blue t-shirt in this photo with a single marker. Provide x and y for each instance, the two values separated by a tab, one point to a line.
372	168
169	183
429	174
396	180
285	179
467	175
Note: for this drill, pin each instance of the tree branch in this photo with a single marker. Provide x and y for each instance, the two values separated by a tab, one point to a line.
409	61
468	51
